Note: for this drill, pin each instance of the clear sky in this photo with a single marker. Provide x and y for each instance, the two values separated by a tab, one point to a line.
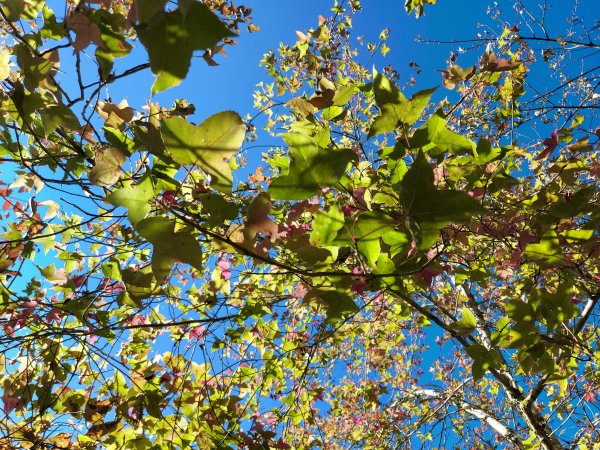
230	85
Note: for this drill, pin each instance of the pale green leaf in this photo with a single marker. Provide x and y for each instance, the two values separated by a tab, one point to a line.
396	110
209	145
107	168
326	225
134	198
311	169
4	64
169	246
547	251
58	116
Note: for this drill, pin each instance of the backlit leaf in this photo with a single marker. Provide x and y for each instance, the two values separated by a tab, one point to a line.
169	246
312	168
171	38
396	110
107	168
209	145
547	251
134	198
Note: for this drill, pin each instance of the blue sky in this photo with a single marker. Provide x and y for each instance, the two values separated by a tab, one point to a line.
229	86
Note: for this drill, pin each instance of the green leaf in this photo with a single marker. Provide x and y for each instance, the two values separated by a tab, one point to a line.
326	225
486	152
139	284
208	145
370	249
51	273
115	46
13	9
396	110
169	246
466	325
547	251
151	140
339	305
446	141
577	236
51	29
343	94
557	307
312	168
483	360
31	9
20	9
58	116
134	198
417	6
107	168
396	240
34	68
171	38
119	139
219	210
426	204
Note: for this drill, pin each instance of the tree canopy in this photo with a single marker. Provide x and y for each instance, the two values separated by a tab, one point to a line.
408	267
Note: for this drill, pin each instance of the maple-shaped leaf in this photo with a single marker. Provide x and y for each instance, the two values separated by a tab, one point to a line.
107	168
172	37
396	109
85	30
455	74
169	246
417	6
490	63
209	145
550	143
134	198
257	177
311	168
116	116
257	218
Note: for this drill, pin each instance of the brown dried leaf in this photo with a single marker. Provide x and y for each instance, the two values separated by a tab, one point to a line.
257	218
116	116
490	63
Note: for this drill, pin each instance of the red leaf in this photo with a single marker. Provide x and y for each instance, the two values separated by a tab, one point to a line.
550	144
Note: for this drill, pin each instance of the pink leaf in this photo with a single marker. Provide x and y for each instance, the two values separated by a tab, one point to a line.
78	280
197	332
86	32
29	306
53	315
299	291
590	396
168	198
225	267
